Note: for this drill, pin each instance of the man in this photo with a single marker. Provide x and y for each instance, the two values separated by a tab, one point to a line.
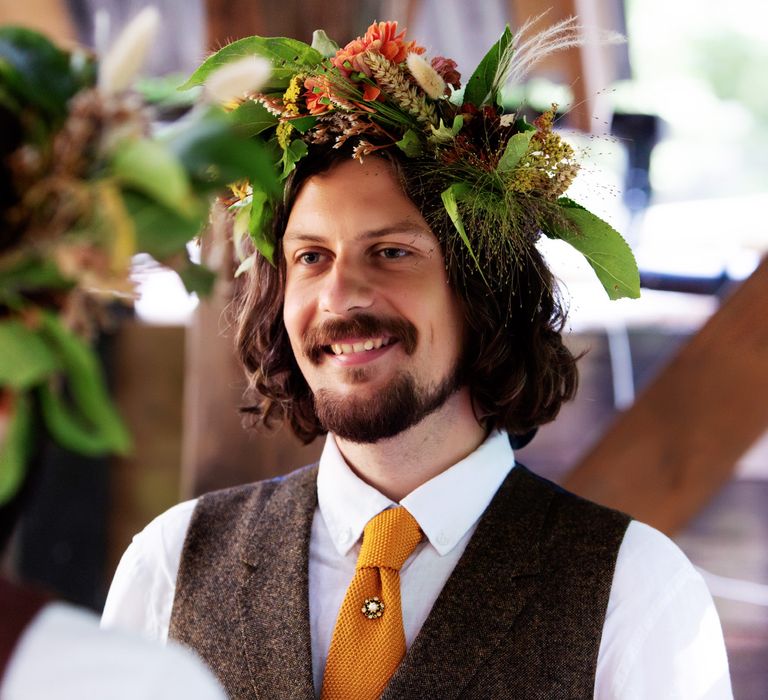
415	322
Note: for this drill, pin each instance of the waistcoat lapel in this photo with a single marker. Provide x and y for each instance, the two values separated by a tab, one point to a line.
273	599
481	599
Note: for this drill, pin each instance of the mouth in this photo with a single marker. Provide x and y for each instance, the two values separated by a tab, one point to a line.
358	339
357	346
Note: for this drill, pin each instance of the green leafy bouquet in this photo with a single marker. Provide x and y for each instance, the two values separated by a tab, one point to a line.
85	185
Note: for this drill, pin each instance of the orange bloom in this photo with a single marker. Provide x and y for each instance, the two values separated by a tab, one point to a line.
371	93
381	37
315	90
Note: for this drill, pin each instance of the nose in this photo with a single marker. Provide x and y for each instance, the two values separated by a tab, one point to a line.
345	288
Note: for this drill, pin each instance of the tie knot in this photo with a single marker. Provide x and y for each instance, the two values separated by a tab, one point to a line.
389	539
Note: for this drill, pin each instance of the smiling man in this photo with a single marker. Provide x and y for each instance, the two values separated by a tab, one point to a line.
375	328
400	306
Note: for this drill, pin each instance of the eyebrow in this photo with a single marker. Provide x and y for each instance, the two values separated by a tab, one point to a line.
402	227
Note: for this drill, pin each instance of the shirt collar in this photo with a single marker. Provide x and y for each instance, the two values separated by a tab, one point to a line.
445	507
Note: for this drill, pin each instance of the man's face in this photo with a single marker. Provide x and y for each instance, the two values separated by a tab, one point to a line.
375	327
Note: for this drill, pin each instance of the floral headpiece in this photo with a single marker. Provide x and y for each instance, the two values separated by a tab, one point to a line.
501	178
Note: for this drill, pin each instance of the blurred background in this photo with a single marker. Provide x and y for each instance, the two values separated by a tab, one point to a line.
671	418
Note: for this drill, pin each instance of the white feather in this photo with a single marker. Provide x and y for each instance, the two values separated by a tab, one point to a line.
124	60
566	34
237	79
427	77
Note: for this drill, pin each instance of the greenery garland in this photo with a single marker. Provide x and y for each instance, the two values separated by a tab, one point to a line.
502	179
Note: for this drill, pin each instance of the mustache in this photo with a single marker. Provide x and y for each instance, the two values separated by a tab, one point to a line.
315	340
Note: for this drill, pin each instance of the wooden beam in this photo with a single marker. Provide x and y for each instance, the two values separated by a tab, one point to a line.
229	20
664	458
587	70
233	19
148	385
51	17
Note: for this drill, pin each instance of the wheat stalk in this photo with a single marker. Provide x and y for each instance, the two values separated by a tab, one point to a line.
393	81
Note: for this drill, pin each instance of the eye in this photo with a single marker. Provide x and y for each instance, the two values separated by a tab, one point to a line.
392	253
311	257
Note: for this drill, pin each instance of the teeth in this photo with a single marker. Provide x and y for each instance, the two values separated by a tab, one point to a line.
370	344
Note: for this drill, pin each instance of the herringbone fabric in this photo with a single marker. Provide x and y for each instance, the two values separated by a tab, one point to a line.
368	641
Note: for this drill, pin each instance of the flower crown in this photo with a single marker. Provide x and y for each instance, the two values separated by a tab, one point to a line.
501	178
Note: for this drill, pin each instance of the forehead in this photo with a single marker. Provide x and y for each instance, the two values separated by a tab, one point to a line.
351	198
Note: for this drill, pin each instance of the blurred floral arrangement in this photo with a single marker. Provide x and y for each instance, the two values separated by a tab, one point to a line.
501	179
86	182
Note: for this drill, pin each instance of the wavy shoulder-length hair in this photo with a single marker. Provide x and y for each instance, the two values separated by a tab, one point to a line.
515	363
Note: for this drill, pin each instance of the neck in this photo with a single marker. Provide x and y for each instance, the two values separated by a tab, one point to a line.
398	465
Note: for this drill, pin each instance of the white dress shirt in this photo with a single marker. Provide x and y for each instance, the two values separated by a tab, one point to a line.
63	654
661	637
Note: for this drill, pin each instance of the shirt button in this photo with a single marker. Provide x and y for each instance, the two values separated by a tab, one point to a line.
442	539
345	536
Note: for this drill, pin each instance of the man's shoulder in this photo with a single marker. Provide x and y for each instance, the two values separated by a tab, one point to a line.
233	514
246	497
567	506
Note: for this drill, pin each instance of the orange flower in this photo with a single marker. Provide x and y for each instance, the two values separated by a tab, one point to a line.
315	90
381	37
371	93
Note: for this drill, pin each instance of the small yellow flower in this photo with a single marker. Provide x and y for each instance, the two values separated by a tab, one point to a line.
290	109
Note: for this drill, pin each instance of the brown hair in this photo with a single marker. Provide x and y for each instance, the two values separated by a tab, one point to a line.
517	368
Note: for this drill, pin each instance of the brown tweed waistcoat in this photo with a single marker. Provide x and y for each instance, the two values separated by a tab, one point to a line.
520	617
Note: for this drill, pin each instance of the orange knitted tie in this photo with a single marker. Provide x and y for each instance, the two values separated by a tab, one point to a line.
368	641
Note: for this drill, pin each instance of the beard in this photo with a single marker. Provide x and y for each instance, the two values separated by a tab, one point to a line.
399	405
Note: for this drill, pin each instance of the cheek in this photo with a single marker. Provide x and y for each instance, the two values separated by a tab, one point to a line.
453	329
294	318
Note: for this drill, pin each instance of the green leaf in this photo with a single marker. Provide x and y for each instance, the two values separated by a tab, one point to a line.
322	43
296	150
482	88
39	75
603	247
516	148
522	124
242	212
410	144
251	118
25	358
258	225
163	93
214	154
151	168
29	275
303	124
445	133
15	448
450	197
288	57
198	279
160	231
88	422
